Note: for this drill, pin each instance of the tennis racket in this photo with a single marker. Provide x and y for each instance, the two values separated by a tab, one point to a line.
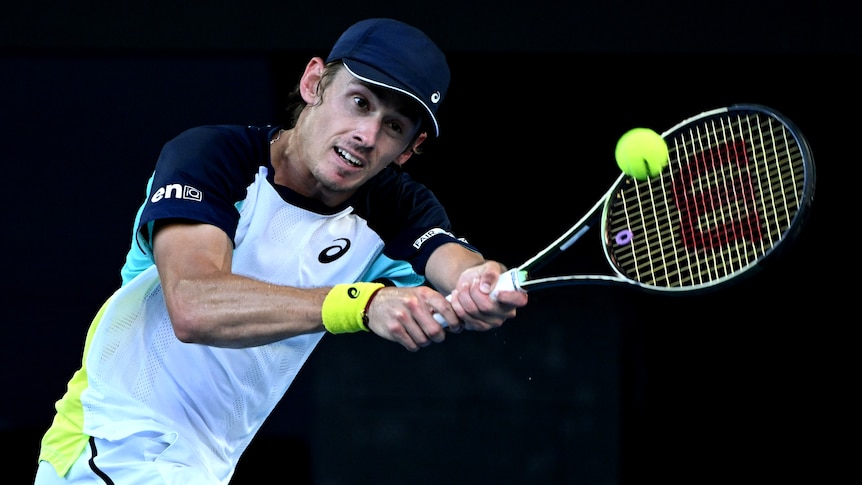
738	185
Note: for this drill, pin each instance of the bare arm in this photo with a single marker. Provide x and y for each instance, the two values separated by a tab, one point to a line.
447	263
210	305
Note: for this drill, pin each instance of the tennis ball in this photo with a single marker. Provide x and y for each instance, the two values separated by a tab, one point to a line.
641	153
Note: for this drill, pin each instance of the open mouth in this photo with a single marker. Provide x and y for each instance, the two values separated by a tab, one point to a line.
348	157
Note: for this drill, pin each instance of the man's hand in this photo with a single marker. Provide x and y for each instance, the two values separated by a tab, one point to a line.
472	302
406	316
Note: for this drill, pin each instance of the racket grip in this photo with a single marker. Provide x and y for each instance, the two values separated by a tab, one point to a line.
508	281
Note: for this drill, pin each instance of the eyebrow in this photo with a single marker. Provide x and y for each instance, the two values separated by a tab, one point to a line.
401	102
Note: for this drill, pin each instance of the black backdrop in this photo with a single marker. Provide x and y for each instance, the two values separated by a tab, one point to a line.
592	385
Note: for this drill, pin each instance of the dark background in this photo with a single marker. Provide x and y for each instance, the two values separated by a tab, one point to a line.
592	385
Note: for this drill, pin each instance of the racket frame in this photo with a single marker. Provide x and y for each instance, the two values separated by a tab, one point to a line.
521	277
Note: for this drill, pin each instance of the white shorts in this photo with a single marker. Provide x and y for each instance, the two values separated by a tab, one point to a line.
142	459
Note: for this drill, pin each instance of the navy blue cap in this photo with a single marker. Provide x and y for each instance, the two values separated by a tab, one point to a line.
392	54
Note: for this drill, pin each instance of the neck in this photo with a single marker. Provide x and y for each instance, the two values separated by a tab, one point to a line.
296	175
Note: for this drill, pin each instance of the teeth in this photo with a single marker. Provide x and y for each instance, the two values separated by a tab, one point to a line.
349	158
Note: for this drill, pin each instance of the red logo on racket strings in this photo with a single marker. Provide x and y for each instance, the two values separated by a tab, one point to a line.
719	177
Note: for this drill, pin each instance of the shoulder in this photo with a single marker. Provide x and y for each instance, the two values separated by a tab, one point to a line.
394	183
224	135
393	201
394	190
233	150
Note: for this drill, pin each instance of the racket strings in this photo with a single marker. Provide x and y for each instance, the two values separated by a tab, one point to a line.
731	191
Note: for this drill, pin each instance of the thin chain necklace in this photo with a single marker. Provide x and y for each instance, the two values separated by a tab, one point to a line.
276	137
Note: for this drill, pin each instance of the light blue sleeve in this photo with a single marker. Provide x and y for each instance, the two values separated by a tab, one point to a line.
140	255
399	272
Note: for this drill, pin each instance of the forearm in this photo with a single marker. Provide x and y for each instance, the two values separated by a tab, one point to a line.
228	310
448	263
210	305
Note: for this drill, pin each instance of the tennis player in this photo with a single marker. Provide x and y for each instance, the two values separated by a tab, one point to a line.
253	243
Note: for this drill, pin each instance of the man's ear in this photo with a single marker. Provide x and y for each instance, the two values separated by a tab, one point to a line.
310	80
402	159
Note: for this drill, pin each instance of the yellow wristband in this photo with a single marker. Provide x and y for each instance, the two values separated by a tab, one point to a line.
344	307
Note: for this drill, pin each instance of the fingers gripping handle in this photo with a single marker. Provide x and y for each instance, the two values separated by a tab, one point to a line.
508	281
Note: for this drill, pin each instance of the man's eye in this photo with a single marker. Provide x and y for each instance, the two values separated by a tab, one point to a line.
361	102
396	127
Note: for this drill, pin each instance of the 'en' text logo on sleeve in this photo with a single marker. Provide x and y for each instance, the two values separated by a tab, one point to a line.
177	191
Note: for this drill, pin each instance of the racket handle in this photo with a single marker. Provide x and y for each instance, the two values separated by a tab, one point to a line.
508	281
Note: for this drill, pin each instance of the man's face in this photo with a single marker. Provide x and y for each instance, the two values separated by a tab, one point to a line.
353	132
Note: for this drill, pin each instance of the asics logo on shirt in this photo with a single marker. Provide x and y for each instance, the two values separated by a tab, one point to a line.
177	191
331	253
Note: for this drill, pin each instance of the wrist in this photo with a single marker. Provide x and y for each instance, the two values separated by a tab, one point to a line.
346	306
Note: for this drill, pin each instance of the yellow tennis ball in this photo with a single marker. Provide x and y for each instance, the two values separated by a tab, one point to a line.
641	153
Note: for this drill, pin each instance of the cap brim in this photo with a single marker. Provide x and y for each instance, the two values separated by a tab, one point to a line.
374	76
